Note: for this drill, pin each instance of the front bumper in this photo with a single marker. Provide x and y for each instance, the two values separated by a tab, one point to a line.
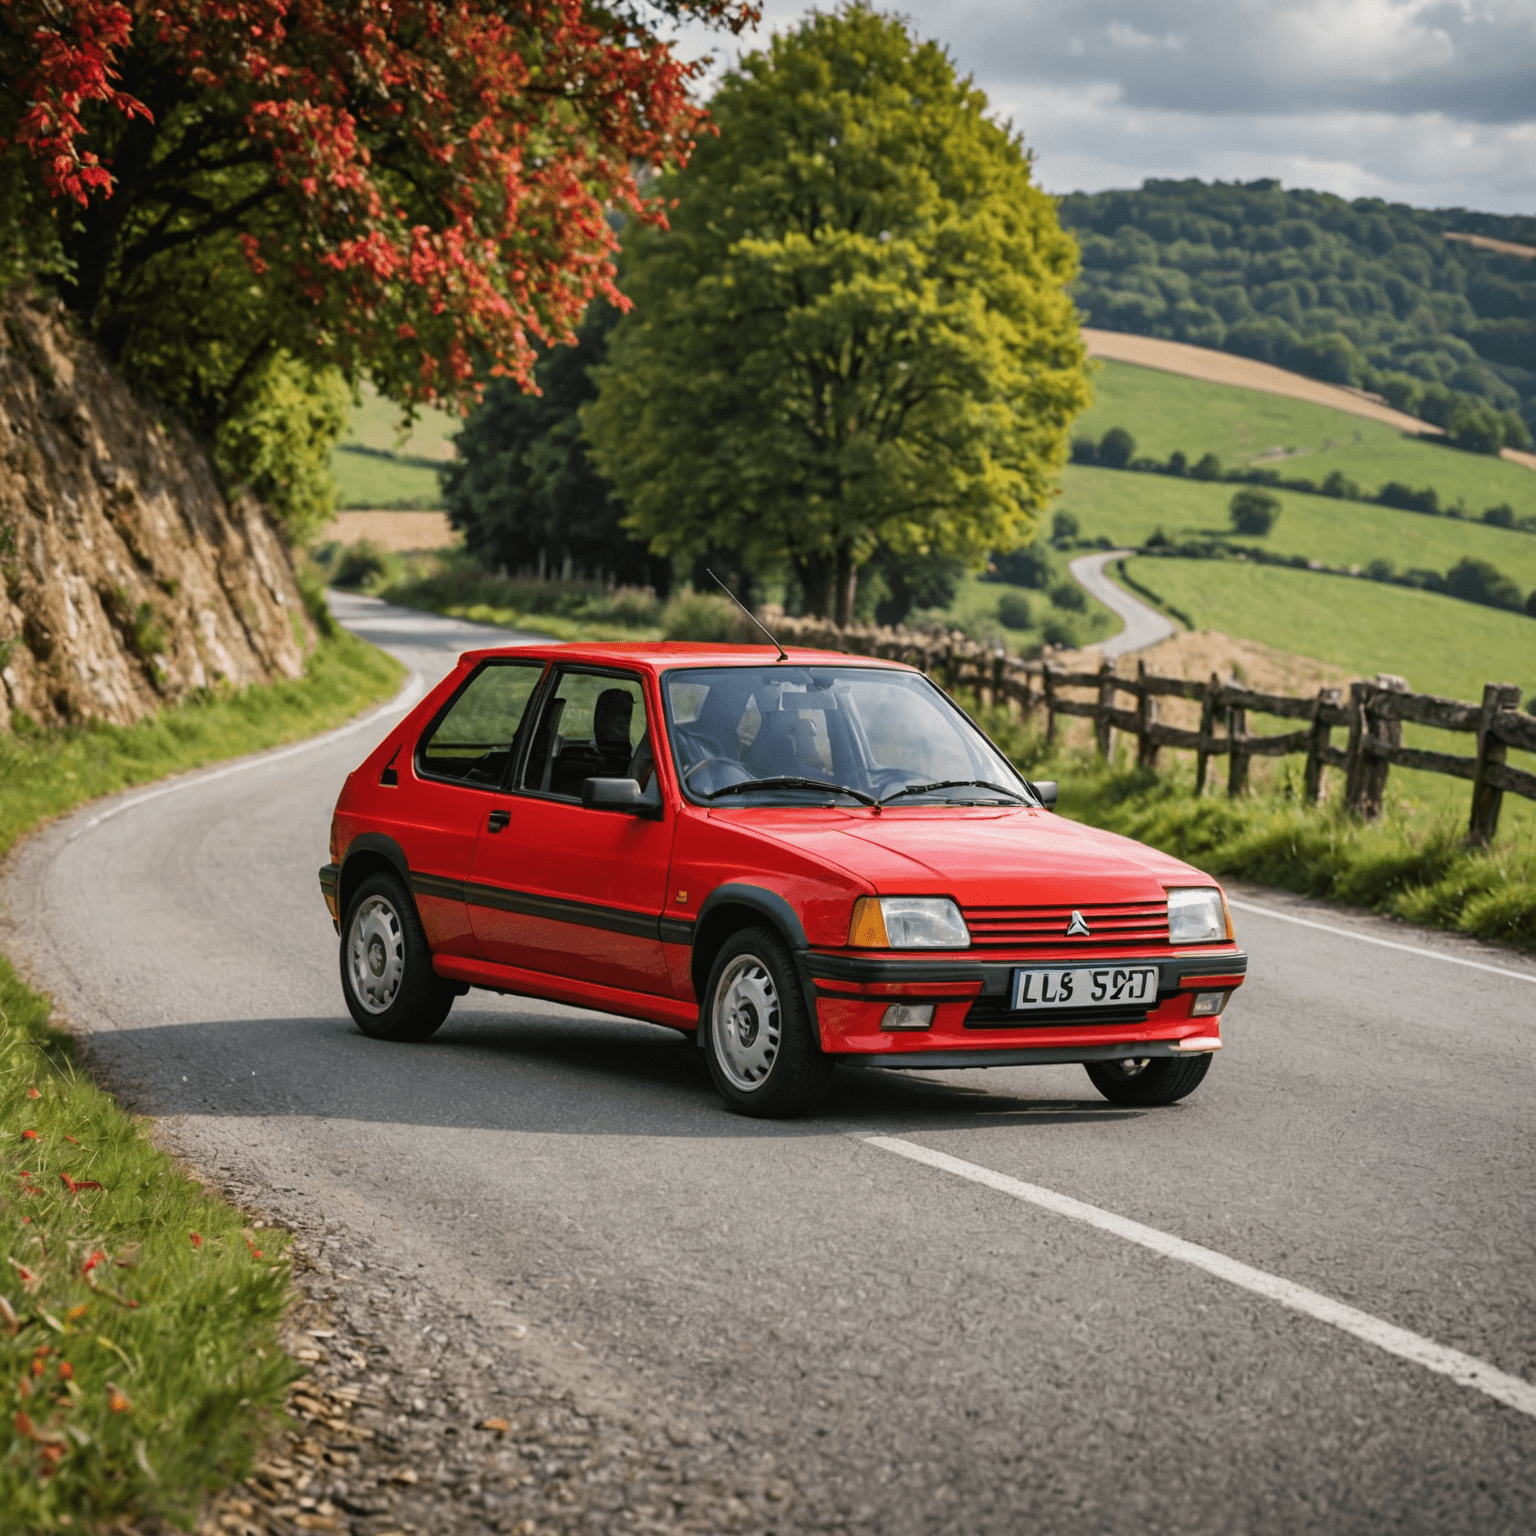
971	1022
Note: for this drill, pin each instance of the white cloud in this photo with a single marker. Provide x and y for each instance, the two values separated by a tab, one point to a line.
1431	102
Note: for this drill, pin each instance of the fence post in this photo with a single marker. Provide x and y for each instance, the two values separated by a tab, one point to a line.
1365	789
1146	717
1103	731
1048	698
1207	728
1237	755
1354	754
1312	788
1486	800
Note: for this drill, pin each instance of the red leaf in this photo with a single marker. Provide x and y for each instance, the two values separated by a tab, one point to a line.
75	1186
96	1258
28	1279
71	1140
197	1241
29	1135
32	1093
116	1400
24	1426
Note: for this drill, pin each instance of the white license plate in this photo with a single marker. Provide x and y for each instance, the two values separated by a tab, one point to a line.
1109	986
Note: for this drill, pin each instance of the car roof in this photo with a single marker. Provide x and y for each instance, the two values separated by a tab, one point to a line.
662	655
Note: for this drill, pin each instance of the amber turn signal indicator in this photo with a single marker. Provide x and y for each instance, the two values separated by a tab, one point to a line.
867	930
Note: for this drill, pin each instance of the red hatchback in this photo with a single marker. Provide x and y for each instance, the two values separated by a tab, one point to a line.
801	861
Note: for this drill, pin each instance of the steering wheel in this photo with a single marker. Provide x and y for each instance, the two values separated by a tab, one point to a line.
704	762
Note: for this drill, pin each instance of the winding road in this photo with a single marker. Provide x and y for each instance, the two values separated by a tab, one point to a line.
1303	1299
1144	625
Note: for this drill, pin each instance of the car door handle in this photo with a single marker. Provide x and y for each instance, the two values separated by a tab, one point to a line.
498	820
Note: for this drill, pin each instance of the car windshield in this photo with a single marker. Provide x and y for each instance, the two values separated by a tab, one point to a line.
783	733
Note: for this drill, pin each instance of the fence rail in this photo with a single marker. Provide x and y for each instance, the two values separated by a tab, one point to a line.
1373	713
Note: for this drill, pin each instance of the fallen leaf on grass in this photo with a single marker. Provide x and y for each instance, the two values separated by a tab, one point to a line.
76	1313
98	1257
32	1093
74	1186
71	1140
197	1239
117	1400
29	1134
24	1425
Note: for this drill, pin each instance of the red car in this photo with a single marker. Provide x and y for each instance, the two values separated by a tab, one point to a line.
799	860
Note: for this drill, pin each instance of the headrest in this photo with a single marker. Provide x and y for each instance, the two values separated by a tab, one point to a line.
611	717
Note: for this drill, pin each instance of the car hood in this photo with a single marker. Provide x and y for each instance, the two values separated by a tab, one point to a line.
989	858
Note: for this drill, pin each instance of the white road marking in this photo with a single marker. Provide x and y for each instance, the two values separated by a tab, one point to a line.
1366	938
1513	1391
415	686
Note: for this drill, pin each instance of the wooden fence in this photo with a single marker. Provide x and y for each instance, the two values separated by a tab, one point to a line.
1372	713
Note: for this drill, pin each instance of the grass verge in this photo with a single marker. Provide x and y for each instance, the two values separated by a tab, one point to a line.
1411	863
139	1352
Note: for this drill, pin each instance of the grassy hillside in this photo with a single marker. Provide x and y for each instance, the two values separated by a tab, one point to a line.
1127	508
1164	412
379	463
1362	292
1439	644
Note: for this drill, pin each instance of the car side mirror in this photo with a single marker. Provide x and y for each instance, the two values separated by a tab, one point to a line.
1045	792
617	795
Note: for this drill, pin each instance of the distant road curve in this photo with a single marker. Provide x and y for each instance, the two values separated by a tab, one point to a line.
1144	626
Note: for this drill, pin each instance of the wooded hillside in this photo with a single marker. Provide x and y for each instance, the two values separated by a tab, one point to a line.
1363	293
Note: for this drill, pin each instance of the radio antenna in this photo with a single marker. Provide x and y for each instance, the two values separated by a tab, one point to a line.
783	654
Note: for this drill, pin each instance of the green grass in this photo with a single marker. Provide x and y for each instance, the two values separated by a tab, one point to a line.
974	610
1411	863
1127	508
1165	411
139	1353
365	480
376	424
1439	644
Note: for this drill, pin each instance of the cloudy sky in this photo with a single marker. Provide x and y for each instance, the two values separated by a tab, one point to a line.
1429	102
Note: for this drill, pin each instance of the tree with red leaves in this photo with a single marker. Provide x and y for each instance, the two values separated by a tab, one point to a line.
415	191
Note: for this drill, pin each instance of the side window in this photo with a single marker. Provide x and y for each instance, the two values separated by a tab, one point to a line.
592	727
473	741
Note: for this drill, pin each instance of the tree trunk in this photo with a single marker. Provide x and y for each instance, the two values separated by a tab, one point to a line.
846	577
816	575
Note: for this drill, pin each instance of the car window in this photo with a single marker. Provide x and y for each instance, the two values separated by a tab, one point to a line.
591	726
875	731
472	741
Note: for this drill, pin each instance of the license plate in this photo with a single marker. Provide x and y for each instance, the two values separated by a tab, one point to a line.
1109	986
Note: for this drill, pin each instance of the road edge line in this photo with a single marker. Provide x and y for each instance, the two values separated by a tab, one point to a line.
1467	1370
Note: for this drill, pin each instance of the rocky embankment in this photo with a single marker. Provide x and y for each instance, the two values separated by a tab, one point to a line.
127	578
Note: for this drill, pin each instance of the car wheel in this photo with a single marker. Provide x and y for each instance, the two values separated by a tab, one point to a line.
386	965
763	1052
1149	1080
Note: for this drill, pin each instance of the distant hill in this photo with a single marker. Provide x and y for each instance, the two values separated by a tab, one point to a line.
1362	293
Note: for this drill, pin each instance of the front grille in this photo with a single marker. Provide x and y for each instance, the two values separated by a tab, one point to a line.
994	1013
1111	926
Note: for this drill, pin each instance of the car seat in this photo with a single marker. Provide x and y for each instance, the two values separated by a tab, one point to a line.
611	719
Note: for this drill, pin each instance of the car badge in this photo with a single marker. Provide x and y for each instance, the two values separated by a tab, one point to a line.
1077	928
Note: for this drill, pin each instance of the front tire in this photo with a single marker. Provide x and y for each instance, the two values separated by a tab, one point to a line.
763	1053
387	978
1149	1081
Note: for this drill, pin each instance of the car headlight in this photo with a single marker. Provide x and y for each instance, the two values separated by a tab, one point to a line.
1197	915
907	922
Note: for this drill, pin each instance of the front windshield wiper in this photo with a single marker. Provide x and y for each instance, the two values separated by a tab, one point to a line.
787	781
923	789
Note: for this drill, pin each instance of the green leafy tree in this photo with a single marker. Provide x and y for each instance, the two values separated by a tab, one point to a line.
1117	448
523	487
1253	511
855	331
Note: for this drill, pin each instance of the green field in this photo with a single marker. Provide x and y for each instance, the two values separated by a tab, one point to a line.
975	611
1128	507
1165	411
408	476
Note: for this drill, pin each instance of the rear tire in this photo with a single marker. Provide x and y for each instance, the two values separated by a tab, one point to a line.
387	978
762	1049
1149	1081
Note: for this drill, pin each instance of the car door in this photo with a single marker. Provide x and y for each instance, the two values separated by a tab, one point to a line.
568	890
461	761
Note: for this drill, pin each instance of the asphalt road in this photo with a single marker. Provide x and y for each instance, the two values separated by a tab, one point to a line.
1144	625
912	1350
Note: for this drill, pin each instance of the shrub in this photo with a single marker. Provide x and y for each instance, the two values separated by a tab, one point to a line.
1013	610
358	563
1064	526
1084	451
1209	468
1253	512
698	616
1178	462
1338	484
1395	494
1055	632
1022	568
1069	597
1477	581
1381	570
1501	516
1476	428
1116	448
